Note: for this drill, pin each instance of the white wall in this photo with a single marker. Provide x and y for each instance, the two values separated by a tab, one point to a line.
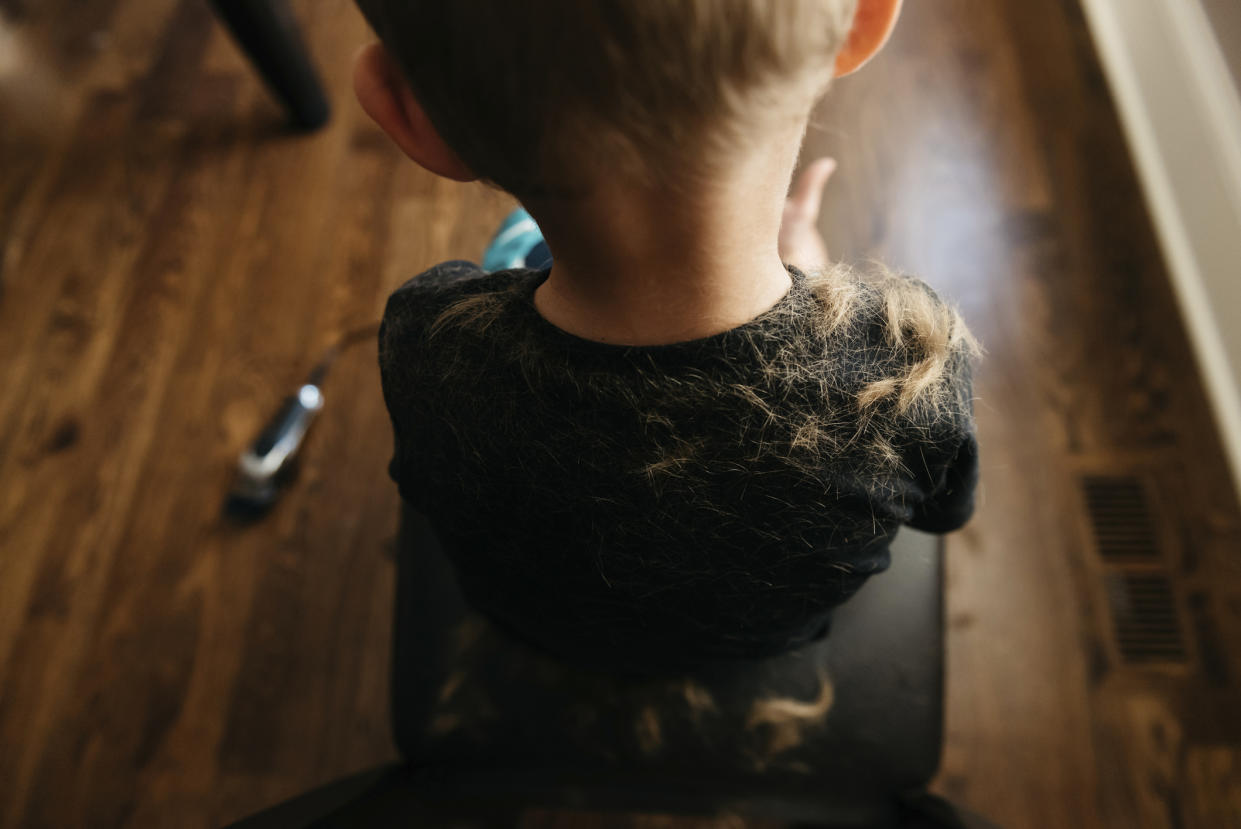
1182	115
1225	19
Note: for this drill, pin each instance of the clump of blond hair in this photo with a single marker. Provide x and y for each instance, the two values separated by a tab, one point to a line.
661	711
915	322
541	95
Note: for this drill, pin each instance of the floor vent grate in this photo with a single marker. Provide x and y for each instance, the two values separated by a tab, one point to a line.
1121	518
1144	612
1141	596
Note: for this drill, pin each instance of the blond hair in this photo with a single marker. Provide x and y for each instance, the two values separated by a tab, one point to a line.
539	94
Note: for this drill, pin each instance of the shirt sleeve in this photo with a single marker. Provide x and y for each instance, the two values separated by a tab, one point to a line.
398	379
404	362
950	502
945	449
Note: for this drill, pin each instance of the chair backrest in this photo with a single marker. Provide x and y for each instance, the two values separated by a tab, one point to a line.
831	730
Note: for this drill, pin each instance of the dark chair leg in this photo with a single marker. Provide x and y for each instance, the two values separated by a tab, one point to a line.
268	34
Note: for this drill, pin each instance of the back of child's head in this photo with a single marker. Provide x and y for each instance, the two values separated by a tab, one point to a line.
542	96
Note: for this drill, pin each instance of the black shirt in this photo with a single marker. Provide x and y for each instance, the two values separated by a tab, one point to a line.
673	504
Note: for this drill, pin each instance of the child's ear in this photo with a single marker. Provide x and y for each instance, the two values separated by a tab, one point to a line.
871	27
387	98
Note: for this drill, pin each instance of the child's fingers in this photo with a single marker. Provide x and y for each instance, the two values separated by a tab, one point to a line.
806	197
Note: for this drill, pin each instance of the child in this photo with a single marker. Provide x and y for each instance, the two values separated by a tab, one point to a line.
673	446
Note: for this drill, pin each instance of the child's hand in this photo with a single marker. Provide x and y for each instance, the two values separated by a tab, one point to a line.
800	243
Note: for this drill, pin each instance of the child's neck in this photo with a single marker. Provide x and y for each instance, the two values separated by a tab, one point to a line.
644	267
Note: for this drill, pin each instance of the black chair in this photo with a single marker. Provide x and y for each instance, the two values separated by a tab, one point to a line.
268	34
846	732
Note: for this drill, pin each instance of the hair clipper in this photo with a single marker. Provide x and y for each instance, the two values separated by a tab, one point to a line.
269	462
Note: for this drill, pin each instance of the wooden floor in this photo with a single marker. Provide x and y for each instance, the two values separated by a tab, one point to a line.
172	261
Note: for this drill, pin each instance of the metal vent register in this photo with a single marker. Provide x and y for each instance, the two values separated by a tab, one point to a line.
1145	617
1123	529
1140	594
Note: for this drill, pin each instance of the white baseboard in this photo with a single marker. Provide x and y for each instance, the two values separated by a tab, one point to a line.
1182	116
